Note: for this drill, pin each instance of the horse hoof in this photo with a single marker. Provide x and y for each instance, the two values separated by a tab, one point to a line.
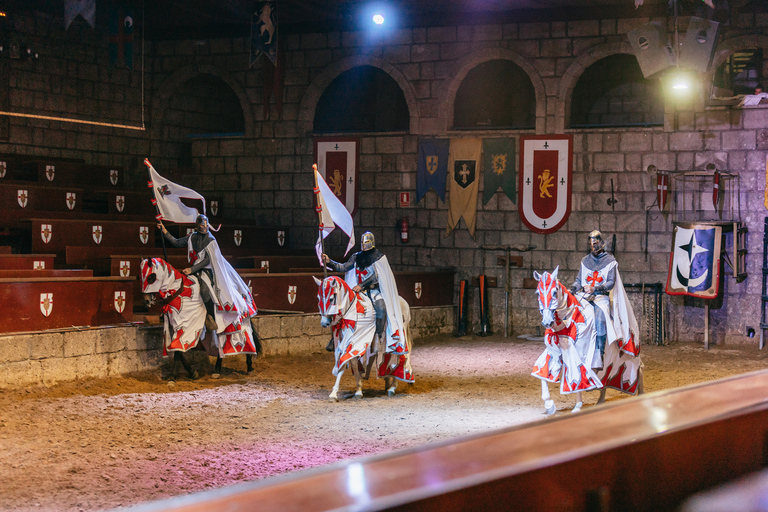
577	408
549	406
358	396
333	399
194	375
215	376
390	392
171	383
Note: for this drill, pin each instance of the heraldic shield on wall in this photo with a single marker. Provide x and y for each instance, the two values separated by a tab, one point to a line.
694	264
337	162
545	181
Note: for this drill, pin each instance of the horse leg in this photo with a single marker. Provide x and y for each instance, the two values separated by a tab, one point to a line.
192	373
249	363
358	379
640	386
601	400
172	376
579	403
333	397
217	369
549	404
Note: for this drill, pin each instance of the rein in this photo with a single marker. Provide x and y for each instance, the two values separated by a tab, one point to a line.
167	300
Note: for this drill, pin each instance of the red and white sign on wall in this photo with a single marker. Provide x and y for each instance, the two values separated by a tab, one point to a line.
405	199
337	162
546	166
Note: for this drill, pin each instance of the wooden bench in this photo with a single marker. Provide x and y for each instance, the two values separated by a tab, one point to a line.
298	292
643	454
72	172
26	261
28	197
5	249
55	235
36	304
4	274
277	264
106	259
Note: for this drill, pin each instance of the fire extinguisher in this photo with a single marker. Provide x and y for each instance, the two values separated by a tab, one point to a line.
404	230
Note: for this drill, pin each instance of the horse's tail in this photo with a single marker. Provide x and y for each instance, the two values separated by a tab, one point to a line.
257	343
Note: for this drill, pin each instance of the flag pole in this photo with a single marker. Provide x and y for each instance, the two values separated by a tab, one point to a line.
151	185
319	209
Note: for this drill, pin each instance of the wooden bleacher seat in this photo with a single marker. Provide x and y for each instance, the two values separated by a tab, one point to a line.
105	260
278	264
77	301
26	261
59	172
66	272
5	249
28	197
298	292
55	235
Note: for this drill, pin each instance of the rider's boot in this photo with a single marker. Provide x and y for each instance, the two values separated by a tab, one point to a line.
210	317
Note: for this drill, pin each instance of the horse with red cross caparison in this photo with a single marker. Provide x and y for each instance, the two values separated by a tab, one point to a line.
352	320
571	356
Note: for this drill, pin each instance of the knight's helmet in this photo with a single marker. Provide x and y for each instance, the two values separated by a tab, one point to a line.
598	237
367	242
201	220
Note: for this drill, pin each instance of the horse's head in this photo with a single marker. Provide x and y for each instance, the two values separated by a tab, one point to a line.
330	298
156	275
548	291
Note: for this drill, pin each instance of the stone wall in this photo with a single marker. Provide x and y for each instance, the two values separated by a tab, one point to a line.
52	357
266	175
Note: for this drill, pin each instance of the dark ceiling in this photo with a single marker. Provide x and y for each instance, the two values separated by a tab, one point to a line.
197	19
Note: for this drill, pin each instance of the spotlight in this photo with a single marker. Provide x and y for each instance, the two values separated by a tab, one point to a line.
378	19
681	82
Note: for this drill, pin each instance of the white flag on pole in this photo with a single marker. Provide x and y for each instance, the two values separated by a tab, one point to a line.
168	198
333	214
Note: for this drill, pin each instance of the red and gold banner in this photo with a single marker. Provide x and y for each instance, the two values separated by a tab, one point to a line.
545	182
337	162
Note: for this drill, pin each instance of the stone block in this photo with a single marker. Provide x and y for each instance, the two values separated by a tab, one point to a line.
58	369
425	52
641	141
299	345
739	140
268	326
46	345
14	349
755	118
311	326
291	326
275	347
609	162
533	30
686	141
19	374
110	340
441	34
94	365
556	48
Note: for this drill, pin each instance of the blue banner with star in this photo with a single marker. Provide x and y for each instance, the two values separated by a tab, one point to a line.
432	167
694	265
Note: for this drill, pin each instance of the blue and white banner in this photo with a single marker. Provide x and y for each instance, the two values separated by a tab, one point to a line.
694	265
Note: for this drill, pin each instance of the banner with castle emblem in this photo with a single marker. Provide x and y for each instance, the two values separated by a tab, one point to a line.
22	196
3	169
114	176
125	268
545	181
281	238
46	231
291	294
337	162
432	167
119	302
50	172
120	203
71	200
463	168
499	168
694	264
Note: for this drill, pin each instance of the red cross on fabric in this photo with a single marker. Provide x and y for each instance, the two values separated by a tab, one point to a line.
594	278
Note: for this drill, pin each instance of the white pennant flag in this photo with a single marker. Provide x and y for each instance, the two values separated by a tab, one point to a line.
85	8
168	199
332	214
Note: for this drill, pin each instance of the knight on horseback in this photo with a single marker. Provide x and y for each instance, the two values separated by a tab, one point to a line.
617	335
368	271
200	258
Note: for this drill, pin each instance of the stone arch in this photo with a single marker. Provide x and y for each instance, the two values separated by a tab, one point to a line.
324	78
465	65
573	73
726	48
180	77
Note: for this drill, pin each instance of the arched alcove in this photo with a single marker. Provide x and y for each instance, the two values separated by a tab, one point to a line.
362	99
204	105
612	92
495	94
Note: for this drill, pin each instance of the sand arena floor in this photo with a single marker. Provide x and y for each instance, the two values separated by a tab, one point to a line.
102	444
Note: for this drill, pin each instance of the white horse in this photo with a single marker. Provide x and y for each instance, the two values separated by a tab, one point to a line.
353	323
184	313
571	355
